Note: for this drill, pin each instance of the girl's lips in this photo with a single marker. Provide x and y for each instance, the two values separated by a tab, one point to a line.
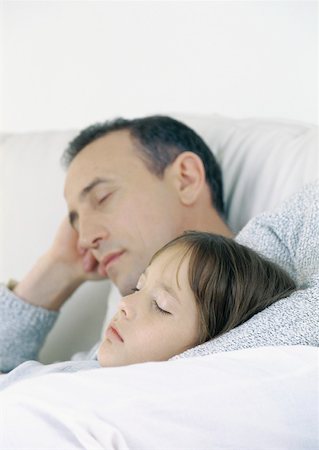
113	333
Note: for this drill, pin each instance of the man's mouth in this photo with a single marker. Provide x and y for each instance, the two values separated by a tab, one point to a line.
107	261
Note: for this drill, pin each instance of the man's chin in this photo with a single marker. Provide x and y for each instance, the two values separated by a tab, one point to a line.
126	284
124	276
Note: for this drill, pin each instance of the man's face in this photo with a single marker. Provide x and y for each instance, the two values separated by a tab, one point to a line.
122	211
157	321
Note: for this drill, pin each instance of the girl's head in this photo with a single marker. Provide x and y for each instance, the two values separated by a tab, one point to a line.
195	288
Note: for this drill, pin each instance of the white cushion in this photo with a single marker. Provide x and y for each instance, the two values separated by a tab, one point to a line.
263	162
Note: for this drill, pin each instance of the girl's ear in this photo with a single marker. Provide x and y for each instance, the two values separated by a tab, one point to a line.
189	177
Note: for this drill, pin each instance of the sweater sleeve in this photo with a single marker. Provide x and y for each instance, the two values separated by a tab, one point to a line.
23	329
289	237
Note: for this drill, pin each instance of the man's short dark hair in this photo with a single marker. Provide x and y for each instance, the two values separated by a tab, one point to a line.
160	139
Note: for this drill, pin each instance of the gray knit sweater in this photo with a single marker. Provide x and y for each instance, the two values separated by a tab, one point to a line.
289	236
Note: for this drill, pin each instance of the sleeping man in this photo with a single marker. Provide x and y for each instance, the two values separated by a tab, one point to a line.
131	187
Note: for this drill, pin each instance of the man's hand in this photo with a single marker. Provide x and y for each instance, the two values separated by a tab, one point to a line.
66	250
59	272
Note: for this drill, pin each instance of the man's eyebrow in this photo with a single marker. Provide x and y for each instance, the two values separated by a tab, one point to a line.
73	215
92	185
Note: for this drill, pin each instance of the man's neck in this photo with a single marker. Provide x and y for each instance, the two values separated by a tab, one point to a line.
211	222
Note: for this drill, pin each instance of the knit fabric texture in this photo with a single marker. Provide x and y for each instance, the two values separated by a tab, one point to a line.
23	329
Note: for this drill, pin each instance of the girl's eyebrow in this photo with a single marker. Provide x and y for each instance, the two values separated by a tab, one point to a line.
169	289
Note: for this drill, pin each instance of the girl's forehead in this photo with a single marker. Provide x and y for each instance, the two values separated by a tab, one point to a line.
170	255
172	264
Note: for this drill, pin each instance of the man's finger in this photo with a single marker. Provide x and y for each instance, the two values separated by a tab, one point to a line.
81	250
89	262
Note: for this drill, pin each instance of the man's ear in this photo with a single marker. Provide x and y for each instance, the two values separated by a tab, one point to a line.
189	177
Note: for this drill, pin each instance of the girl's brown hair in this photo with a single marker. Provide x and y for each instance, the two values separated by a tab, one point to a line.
230	282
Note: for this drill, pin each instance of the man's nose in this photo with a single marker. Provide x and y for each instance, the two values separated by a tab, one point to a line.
91	233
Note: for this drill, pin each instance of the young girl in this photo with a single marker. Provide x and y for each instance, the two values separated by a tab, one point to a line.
196	287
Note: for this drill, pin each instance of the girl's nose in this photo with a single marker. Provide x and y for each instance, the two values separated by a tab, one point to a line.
127	307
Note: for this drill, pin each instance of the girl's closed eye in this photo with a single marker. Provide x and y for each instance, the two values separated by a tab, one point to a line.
154	302
158	308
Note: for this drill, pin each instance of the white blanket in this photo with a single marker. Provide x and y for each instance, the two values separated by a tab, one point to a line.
262	398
